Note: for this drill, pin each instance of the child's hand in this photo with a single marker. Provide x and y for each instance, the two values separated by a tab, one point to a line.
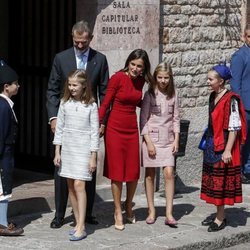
175	147
226	156
57	160
151	150
92	164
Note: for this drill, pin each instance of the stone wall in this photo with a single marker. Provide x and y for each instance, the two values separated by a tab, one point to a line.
195	35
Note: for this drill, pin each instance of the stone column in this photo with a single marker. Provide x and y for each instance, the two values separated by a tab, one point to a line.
119	28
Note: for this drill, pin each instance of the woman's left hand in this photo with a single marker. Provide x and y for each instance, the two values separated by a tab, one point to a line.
226	157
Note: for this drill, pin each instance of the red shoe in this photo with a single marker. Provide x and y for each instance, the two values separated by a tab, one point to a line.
150	220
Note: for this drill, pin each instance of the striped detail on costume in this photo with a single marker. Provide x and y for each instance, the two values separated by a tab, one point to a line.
221	184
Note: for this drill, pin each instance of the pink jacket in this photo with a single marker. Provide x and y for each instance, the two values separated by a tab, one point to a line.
160	116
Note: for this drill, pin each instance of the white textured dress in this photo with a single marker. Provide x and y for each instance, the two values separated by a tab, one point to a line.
77	131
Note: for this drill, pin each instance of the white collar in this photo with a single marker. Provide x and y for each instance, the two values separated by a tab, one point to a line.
8	100
79	53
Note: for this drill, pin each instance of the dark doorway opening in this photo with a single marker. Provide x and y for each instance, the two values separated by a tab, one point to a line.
37	30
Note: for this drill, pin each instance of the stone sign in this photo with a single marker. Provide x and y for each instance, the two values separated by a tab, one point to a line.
122	26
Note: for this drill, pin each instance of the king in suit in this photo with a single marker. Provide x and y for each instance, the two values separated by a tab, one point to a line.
240	84
96	66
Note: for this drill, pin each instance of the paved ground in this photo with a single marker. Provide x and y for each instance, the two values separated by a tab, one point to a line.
32	206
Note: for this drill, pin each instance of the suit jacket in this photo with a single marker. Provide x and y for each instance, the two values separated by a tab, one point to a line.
64	63
8	125
240	69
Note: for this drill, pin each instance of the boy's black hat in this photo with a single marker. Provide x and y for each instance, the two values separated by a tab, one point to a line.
7	74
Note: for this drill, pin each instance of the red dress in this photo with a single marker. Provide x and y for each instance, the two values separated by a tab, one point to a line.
122	161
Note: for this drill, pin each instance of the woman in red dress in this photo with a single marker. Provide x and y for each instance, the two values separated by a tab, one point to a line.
122	161
221	175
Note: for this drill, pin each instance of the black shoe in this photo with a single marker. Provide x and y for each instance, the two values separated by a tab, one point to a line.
214	226
207	222
245	179
91	220
56	223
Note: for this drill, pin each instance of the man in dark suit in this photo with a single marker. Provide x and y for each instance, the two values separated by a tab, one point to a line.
240	83
95	63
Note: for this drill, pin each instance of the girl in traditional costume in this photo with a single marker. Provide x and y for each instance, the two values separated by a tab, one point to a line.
221	174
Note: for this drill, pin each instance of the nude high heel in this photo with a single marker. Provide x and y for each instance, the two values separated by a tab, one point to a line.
118	227
131	220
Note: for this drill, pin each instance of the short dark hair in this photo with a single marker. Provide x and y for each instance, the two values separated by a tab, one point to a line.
247	27
81	27
2	86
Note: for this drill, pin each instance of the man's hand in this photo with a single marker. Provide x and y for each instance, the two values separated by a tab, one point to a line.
53	125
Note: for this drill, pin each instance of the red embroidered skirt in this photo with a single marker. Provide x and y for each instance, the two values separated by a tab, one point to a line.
221	184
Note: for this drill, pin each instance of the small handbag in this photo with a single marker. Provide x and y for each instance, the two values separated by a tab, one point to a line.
202	144
210	156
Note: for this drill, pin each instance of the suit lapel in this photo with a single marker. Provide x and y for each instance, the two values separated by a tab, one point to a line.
72	60
91	61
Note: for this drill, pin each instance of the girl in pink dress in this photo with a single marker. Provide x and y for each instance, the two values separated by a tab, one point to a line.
160	128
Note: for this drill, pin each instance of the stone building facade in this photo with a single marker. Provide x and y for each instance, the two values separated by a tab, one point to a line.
195	35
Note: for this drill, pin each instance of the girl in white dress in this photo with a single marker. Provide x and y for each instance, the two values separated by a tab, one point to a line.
160	128
76	144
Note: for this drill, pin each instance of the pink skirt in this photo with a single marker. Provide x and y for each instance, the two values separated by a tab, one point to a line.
164	157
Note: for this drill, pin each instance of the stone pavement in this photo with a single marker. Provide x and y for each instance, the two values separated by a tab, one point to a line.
32	208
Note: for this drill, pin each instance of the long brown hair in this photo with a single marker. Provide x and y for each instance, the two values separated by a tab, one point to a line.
140	54
81	77
170	88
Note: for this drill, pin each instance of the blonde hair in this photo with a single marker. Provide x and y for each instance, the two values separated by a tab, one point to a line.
217	76
170	88
81	77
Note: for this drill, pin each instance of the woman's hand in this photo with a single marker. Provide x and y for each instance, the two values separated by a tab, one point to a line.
226	156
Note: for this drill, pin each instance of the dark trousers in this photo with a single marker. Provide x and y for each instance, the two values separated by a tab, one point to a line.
61	195
246	149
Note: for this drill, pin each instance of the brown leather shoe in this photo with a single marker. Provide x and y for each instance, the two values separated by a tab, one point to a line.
11	230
